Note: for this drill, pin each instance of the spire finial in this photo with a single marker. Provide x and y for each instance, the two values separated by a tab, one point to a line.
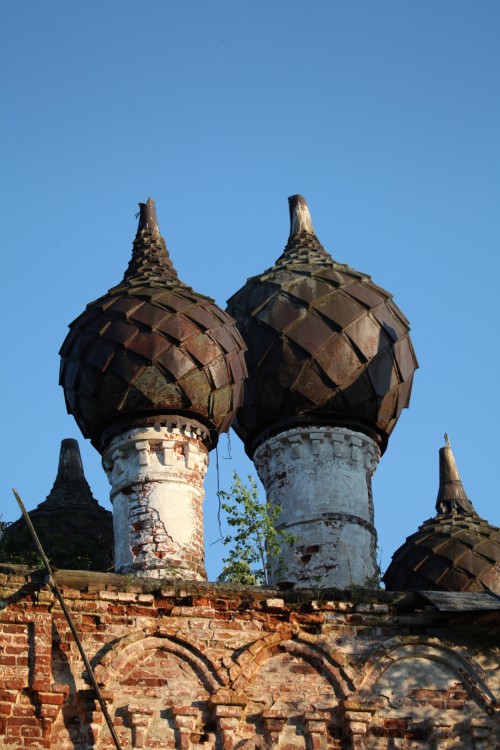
70	486
150	259
147	217
300	218
452	497
70	461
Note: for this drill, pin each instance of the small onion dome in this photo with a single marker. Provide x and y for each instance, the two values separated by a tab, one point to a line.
325	344
454	551
150	347
75	531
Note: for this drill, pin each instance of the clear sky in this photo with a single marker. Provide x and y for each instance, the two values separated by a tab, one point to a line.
385	115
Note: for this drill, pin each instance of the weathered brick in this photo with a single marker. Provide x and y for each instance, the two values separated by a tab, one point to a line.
55	698
201	639
5	708
8	695
23	721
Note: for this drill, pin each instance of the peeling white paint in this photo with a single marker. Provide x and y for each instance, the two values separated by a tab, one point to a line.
321	479
156	476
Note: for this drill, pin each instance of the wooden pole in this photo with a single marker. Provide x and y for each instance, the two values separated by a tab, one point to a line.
56	589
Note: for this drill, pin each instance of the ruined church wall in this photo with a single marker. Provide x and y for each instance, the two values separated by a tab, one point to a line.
196	665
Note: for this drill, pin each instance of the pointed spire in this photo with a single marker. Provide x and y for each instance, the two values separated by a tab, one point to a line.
70	486
150	262
303	246
300	218
451	495
70	461
147	217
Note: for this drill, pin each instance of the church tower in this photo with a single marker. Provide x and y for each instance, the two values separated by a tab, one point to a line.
330	367
152	372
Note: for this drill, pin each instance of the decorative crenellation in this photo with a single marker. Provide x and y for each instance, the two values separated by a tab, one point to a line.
323	443
320	478
228	709
439	731
316	725
480	731
149	451
156	476
274	723
90	714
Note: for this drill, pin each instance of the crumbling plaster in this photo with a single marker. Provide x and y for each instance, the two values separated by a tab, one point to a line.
196	665
320	477
156	476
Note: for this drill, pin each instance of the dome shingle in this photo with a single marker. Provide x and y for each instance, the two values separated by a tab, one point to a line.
325	344
75	531
150	347
454	551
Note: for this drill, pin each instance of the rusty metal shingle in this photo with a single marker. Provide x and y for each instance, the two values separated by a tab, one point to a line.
73	528
151	346
448	553
454	551
324	343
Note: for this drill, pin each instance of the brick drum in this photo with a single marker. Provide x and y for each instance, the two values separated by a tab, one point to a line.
197	665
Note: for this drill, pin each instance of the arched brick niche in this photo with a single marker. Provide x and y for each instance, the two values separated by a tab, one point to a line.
159	689
424	695
292	691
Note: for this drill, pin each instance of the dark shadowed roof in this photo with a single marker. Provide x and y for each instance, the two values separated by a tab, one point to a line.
452	601
75	531
325	344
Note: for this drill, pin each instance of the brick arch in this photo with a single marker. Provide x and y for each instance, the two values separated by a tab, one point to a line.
288	641
467	671
134	645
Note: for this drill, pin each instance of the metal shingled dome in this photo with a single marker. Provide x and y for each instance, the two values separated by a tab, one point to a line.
454	551
75	531
150	347
325	344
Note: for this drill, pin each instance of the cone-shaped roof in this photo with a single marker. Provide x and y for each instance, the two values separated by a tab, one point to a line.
150	260
451	495
75	531
149	348
454	551
325	344
70	486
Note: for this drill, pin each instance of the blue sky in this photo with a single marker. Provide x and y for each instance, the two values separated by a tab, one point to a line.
385	115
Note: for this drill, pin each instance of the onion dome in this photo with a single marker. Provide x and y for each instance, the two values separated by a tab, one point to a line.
75	531
454	551
325	344
151	347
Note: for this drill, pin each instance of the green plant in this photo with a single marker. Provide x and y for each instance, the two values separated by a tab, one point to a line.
374	582
255	541
128	581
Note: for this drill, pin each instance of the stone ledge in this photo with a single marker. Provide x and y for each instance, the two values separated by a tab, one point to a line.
24	580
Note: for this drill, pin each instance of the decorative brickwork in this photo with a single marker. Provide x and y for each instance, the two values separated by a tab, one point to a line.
198	665
321	478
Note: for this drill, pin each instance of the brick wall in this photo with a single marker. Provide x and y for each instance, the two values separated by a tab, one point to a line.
198	665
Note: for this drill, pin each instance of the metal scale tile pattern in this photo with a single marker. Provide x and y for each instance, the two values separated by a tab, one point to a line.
151	346
324	342
448	553
454	551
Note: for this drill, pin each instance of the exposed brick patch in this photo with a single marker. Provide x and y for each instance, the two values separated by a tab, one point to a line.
195	665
